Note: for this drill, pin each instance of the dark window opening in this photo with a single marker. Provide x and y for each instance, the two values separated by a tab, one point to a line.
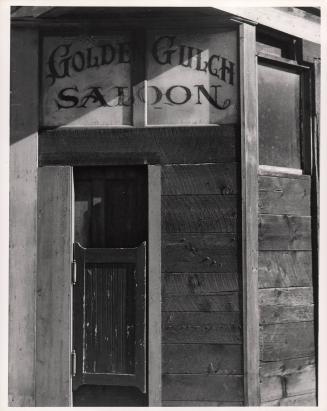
279	106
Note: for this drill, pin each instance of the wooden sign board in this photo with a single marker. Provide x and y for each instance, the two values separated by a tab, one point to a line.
85	80
191	79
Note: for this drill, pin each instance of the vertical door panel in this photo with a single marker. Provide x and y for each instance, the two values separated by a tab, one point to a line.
53	300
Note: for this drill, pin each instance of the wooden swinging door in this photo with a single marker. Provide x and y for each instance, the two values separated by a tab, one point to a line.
109	286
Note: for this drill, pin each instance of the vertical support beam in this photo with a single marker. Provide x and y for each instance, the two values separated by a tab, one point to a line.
53	301
154	285
23	216
310	54
249	161
315	201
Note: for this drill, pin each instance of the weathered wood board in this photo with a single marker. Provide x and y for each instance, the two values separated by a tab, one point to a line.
202	252
53	317
271	388
185	403
220	178
199	283
303	400
279	195
196	214
215	359
278	315
286	341
174	145
200	327
284	367
285	269
223	302
294	296
303	382
22	216
203	387
283	232
287	386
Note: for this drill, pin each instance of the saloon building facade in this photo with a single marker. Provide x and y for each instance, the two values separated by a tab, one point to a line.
164	206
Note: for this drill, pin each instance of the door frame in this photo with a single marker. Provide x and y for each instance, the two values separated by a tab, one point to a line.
57	391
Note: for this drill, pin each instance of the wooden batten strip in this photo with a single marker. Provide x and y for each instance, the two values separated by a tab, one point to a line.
154	285
249	166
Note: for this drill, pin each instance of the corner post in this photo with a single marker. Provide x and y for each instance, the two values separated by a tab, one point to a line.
249	166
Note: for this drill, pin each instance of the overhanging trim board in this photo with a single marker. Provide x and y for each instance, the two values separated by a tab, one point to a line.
249	166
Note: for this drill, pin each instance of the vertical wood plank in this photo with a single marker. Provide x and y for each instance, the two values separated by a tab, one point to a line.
23	216
315	201
53	301
249	164
154	287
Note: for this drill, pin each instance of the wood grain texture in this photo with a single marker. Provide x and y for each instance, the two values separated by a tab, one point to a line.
271	388
294	401
202	387
198	327
283	232
294	296
284	195
175	145
205	252
286	366
53	322
219	178
286	341
207	303
274	315
249	172
286	19
285	269
23	217
310	51
218	359
154	286
202	403
199	284
302	382
200	213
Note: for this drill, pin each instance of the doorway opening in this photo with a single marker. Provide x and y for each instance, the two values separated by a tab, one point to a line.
110	286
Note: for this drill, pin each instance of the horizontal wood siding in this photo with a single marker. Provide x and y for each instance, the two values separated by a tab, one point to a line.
173	145
203	387
217	359
201	265
201	250
199	214
287	350
202	403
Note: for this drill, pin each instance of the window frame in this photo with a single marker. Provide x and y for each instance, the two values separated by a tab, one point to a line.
305	115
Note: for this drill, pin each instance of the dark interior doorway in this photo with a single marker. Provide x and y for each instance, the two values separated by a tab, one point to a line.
110	214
